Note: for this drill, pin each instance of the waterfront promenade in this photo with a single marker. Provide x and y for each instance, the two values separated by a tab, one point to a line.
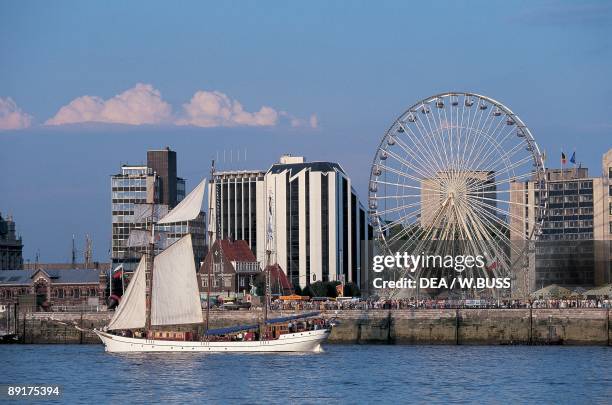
447	326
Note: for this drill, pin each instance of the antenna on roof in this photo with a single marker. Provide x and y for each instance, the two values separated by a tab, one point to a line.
73	253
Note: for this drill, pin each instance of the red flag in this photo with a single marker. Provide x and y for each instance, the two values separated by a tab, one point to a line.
118	272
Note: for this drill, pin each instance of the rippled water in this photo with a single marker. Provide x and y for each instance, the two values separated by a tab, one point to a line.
343	374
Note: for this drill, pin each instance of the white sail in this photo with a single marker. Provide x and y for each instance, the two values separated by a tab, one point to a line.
131	313
175	296
187	209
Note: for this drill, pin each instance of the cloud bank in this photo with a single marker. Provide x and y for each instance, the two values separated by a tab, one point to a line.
143	104
216	109
11	116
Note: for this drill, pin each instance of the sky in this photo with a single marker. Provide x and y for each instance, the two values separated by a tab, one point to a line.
88	86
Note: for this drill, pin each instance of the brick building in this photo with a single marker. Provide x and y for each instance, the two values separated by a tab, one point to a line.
234	268
53	289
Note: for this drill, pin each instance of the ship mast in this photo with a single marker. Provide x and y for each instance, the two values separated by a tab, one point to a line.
150	251
210	241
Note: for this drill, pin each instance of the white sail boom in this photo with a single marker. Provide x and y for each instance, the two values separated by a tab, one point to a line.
175	296
189	208
131	313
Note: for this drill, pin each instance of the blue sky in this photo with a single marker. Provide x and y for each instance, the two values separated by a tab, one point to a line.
320	78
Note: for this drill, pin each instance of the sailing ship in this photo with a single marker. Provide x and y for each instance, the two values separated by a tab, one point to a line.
161	309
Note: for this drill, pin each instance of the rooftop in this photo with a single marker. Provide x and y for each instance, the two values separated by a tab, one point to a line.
65	276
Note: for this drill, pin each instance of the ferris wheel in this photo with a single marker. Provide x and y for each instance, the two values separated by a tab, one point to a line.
458	174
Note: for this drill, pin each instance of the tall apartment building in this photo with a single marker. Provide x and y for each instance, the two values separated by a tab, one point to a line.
319	228
11	246
141	184
574	246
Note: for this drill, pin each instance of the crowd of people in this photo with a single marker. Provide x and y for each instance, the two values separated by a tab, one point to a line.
412	303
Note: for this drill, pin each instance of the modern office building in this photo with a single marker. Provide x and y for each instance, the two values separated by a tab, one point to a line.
11	245
316	219
238	197
137	185
319	229
574	246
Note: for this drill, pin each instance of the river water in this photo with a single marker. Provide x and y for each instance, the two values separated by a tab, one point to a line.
346	374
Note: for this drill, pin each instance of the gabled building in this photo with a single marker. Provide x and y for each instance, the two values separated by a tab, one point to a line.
233	268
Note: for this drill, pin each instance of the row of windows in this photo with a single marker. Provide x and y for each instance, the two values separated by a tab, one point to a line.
570	236
59	292
74	292
571	185
571	198
227	281
124	195
122	207
129	182
572	211
568	224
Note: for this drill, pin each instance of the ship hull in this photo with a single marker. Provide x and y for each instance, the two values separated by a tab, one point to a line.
309	341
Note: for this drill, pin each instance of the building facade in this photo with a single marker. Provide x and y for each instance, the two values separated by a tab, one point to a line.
135	187
238	198
53	289
11	245
318	227
232	266
574	246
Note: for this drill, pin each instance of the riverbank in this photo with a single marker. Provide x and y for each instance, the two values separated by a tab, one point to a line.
422	326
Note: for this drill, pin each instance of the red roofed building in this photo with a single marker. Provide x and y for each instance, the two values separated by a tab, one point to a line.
279	283
233	267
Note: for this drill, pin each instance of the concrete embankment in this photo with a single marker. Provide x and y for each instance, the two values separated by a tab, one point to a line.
424	326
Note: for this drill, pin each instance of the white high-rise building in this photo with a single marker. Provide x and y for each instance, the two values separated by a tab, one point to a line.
318	228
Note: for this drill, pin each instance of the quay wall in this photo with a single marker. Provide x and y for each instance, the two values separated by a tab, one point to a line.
422	326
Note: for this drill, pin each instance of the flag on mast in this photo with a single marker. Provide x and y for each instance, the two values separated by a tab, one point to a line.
118	272
573	158
563	158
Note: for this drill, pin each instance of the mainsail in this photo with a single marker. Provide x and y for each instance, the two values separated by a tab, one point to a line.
131	311
176	297
189	208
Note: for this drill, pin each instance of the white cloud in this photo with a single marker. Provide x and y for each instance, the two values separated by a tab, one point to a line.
142	104
216	109
11	116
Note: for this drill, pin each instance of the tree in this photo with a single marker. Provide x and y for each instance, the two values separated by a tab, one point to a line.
351	290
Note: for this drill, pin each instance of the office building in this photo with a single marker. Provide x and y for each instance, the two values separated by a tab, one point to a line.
574	246
318	227
137	185
238	197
